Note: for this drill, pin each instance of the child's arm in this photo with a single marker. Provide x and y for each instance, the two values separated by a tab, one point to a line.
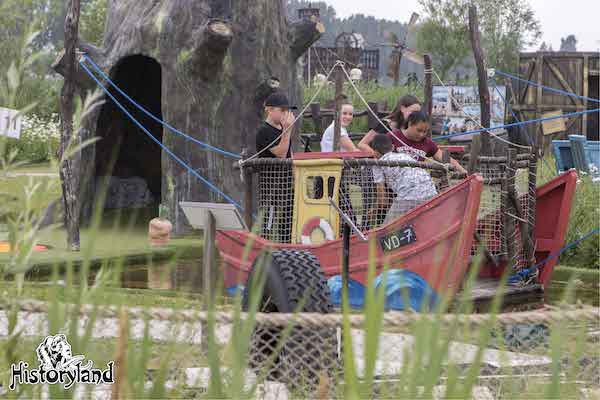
363	145
346	144
438	157
281	149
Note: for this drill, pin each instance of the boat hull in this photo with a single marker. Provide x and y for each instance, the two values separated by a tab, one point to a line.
438	256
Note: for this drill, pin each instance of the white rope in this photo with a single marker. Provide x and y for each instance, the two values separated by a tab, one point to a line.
410	149
242	162
469	116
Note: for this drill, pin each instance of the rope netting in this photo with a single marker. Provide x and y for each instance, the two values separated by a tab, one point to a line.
375	192
293	355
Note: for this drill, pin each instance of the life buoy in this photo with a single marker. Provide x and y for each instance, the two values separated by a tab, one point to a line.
316	223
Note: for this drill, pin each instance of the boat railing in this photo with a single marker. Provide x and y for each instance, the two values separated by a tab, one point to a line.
506	216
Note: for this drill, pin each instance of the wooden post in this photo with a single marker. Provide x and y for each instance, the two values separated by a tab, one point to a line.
337	127
69	167
209	276
371	120
484	94
444	181
531	205
475	151
508	222
315	110
428	89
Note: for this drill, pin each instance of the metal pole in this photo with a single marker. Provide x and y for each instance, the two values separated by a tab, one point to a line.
345	256
209	275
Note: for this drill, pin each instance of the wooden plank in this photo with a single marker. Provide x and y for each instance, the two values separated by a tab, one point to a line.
565	85
529	75
554	125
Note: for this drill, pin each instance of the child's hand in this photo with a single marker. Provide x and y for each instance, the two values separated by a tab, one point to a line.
288	120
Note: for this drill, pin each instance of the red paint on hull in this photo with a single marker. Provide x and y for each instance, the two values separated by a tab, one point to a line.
444	227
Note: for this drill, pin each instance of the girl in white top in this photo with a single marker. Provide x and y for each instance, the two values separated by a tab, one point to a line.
346	145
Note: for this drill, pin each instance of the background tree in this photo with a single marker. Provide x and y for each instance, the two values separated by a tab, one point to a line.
93	19
444	34
507	27
569	43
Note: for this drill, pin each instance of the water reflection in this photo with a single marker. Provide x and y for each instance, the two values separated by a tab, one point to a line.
185	275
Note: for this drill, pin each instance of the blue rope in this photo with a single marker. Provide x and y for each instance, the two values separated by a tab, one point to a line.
529	140
509	107
181	162
531	121
155	118
550	89
523	274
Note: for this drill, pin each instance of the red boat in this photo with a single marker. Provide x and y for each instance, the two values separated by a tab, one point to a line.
431	246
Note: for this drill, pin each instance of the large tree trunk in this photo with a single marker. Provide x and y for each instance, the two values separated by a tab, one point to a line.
68	169
214	61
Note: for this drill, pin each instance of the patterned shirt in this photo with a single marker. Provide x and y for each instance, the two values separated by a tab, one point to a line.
408	183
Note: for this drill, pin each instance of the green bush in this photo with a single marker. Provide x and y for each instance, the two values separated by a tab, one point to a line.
585	217
39	140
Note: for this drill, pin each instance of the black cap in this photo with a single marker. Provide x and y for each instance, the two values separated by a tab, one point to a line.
279	99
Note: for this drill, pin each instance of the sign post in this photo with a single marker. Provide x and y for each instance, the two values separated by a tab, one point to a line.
10	123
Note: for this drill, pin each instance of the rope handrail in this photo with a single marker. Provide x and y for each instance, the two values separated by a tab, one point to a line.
366	103
526	272
548	88
209	184
155	118
531	121
473	119
390	318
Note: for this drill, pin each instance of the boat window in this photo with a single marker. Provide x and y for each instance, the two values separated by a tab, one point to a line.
330	186
314	187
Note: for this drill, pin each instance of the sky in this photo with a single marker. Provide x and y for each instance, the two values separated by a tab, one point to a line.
558	18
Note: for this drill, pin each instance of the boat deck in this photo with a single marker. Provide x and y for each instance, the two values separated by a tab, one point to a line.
515	297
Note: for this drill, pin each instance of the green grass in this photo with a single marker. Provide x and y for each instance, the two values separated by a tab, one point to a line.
109	296
13	193
43	168
132	245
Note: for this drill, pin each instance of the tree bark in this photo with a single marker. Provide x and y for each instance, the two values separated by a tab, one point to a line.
69	166
484	94
205	67
304	33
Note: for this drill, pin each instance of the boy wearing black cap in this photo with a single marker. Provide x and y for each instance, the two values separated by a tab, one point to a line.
279	120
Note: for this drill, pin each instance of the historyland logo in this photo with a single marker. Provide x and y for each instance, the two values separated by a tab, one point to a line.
59	366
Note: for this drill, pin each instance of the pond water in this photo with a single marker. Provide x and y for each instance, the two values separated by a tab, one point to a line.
185	276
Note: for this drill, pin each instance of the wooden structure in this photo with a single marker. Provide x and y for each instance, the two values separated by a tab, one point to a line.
573	72
322	59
